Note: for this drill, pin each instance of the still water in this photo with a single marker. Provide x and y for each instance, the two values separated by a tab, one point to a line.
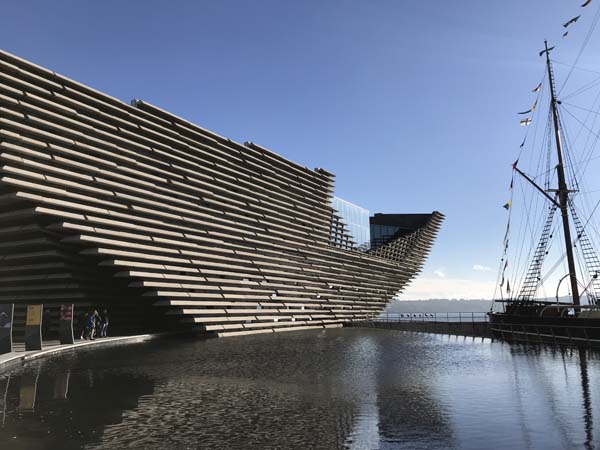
336	389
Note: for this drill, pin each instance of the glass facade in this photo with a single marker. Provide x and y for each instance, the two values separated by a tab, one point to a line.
382	233
355	218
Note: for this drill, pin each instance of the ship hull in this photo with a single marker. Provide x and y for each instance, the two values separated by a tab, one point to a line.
553	330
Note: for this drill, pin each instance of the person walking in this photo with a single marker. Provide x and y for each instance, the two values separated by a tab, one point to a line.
84	325
46	318
104	323
91	325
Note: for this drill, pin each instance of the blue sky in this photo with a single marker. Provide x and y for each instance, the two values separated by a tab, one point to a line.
411	104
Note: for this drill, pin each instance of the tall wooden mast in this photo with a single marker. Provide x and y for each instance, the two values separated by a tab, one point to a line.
563	191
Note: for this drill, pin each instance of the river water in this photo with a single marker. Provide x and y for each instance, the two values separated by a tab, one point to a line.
336	389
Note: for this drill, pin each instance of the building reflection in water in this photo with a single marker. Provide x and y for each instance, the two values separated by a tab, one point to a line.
49	409
61	385
351	389
396	401
28	390
4	384
364	355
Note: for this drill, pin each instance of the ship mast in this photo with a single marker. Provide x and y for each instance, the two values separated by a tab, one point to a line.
563	191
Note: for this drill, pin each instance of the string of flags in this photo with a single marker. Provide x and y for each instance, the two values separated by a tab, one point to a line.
508	206
568	23
525	123
503	272
532	109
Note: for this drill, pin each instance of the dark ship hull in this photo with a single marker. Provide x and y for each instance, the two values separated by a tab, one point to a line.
530	324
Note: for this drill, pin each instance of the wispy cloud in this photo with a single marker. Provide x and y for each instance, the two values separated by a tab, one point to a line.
480	268
453	288
440	273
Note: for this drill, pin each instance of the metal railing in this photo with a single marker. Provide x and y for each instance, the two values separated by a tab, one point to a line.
456	317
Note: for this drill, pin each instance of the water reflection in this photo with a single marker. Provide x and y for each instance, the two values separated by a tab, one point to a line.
587	402
28	390
4	384
46	409
61	385
339	389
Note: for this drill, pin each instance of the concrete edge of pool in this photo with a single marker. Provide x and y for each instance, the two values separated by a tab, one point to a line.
19	358
10	361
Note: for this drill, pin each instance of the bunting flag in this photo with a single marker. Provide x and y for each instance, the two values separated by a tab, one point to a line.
532	109
507	287
571	22
587	2
525	122
522	144
511	185
565	34
503	270
507	205
537	88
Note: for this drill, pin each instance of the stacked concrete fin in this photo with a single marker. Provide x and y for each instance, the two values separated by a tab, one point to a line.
129	207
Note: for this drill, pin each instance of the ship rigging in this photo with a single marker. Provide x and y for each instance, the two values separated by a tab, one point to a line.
521	312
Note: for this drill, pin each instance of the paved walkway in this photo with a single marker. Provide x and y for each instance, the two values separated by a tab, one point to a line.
20	356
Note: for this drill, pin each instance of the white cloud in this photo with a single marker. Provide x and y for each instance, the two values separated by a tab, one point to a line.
452	288
480	268
440	273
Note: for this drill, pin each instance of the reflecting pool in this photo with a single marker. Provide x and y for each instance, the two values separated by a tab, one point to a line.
336	389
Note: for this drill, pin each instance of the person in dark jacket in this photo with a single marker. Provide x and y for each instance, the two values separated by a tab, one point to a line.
104	323
90	326
83	323
46	318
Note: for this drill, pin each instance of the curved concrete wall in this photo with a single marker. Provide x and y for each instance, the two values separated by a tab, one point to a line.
170	225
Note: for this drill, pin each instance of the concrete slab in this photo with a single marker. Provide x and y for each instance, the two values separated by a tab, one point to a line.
19	356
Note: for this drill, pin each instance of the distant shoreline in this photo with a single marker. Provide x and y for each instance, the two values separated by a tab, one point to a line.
439	305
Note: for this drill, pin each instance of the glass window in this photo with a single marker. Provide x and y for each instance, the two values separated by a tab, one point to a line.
355	218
